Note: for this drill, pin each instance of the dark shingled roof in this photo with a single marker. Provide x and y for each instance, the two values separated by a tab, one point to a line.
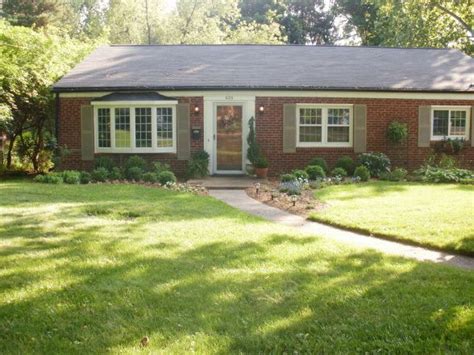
186	67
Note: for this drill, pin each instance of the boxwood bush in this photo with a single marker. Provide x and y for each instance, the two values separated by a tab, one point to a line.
135	173
166	177
315	172
85	177
150	177
52	178
71	177
287	177
116	174
340	172
377	163
347	163
319	162
300	174
100	174
362	172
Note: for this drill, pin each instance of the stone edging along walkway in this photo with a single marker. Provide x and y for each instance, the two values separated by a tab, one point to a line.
239	199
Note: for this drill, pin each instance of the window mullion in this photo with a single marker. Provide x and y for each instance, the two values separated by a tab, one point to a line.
132	128
324	125
153	129
112	127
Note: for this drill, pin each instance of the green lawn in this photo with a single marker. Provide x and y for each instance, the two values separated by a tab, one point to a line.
93	269
439	215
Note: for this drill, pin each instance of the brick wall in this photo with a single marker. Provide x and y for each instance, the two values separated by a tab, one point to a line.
380	112
70	135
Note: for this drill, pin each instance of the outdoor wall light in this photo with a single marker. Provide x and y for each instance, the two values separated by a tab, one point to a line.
196	109
261	109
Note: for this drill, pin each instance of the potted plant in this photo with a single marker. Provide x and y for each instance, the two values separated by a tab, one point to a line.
261	167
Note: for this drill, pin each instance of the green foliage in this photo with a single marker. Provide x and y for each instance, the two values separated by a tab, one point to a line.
85	177
300	174
52	178
398	174
151	177
198	165
377	163
287	177
362	172
347	163
315	172
116	173
134	173
319	162
261	162
450	145
166	177
104	162
253	150
438	175
135	161
341	172
71	177
159	167
100	174
397	131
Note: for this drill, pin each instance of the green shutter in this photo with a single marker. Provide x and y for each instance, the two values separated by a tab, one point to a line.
360	128
289	128
183	132
472	126
87	132
424	126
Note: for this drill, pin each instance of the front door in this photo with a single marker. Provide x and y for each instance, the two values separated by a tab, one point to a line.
229	138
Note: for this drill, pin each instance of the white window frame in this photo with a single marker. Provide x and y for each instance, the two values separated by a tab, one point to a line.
112	105
467	109
324	124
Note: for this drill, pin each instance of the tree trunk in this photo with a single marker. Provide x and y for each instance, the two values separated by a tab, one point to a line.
10	151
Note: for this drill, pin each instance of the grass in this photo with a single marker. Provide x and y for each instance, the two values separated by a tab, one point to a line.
93	269
438	215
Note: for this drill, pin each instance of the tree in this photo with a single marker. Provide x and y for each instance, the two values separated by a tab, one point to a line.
30	62
29	13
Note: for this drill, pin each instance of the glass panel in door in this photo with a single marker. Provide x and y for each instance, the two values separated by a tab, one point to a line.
229	138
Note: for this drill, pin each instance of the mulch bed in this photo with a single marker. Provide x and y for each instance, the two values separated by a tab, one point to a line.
305	204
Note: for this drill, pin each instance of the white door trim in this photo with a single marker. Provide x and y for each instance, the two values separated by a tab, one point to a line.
248	111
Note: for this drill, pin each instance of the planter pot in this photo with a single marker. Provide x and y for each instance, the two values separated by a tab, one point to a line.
261	172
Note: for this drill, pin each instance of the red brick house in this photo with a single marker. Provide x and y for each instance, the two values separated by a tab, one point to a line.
165	102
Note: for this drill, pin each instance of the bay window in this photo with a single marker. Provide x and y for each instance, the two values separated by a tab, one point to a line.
134	128
449	122
324	125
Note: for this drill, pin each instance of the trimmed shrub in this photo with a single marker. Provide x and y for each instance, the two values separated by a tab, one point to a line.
287	178
135	161
150	177
85	177
261	162
116	174
53	178
347	163
315	172
198	165
377	163
158	167
71	177
319	162
362	173
399	174
166	177
300	174
340	172
135	173
100	174
104	162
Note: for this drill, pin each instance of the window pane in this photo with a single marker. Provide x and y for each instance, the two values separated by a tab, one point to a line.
122	127
440	122
338	134
103	120
458	123
338	116
310	116
164	127
310	134
143	127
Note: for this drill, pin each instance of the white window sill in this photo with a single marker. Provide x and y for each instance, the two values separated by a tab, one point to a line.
440	138
135	150
324	145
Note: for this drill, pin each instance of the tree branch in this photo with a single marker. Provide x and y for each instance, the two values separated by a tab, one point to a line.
463	23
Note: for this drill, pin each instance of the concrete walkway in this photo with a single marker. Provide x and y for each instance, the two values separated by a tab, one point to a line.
239	199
